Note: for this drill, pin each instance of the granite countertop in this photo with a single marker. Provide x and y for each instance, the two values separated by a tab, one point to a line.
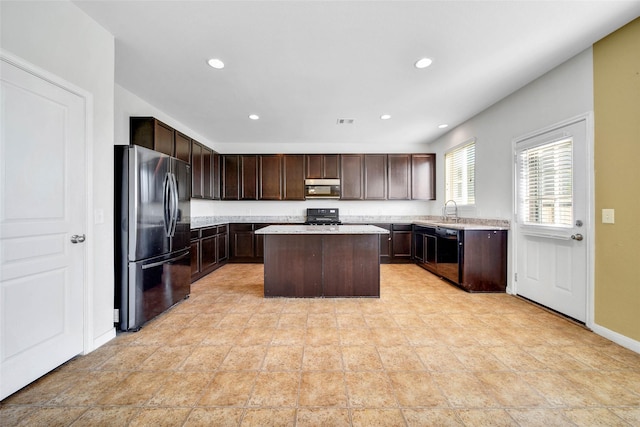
434	221
322	229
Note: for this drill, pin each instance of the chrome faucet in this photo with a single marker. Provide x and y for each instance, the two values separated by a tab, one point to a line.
446	213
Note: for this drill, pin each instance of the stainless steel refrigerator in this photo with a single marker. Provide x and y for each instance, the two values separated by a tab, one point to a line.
152	210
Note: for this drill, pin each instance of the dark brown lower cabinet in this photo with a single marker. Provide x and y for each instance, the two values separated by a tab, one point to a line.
385	244
244	244
321	265
483	260
209	249
401	243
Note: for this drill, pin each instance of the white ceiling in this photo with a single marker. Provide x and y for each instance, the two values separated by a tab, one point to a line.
301	65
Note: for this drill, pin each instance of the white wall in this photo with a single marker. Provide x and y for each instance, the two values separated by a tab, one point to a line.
562	93
61	39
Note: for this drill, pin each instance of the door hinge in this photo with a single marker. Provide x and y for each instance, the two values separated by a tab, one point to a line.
515	277
116	315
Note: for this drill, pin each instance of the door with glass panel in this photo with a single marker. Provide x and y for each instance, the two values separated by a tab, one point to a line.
551	227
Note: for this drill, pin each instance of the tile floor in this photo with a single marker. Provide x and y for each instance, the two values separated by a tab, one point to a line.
425	353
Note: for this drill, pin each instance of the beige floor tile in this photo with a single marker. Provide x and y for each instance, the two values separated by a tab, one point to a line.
376	417
283	358
160	417
229	389
351	320
594	417
264	320
107	416
388	336
181	389
269	417
322	358
322	320
539	417
417	389
90	388
361	358
489	417
167	358
323	388
464	389
292	320
254	336
439	358
369	389
558	390
322	336
128	358
431	417
48	387
295	336
222	336
219	417
400	358
275	389
135	389
244	358
355	336
205	358
510	390
52	416
321	417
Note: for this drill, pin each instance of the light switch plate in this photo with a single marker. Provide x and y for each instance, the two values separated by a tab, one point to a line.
608	216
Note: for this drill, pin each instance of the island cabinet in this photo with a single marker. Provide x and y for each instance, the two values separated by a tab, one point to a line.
483	260
244	244
340	261
209	249
322	166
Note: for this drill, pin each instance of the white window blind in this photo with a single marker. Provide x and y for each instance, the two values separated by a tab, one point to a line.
460	179
546	184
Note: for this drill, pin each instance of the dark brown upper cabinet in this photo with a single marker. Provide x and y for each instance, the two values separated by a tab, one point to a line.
423	176
182	147
375	176
239	177
230	169
270	180
399	176
205	172
322	166
151	133
293	176
351	173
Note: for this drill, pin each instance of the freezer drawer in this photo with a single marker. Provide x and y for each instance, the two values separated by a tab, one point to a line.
153	286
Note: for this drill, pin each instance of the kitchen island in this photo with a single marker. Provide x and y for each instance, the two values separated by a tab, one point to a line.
310	261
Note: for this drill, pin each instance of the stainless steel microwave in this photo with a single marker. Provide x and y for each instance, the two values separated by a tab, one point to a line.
322	188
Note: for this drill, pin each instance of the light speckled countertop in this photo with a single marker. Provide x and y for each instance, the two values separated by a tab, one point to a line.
434	221
321	229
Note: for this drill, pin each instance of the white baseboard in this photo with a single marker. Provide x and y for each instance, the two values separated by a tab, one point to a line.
617	338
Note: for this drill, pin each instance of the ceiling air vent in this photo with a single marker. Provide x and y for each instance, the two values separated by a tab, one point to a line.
345	121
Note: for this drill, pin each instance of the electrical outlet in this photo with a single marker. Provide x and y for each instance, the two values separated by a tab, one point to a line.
608	216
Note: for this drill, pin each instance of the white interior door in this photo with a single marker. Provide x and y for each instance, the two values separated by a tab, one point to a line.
42	165
552	221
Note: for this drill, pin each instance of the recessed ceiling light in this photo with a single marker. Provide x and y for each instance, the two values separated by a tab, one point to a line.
254	116
442	126
423	63
385	116
216	63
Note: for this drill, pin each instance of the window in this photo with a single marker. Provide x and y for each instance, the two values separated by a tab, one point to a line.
460	178
546	184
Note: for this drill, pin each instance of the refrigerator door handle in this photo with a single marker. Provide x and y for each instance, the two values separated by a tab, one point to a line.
166	200
174	204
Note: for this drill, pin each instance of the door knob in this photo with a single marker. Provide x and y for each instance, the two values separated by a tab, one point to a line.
577	237
78	238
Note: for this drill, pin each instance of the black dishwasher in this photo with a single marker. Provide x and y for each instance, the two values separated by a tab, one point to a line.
447	253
